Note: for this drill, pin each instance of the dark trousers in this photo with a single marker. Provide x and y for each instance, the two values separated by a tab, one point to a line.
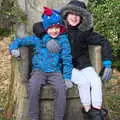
38	79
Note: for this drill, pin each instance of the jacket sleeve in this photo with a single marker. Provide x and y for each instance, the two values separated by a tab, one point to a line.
66	59
96	39
26	41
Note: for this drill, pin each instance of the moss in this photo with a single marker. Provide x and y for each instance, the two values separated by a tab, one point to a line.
114	108
10	14
116	64
4	32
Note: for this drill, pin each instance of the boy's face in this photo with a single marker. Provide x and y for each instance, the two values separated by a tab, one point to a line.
54	31
73	19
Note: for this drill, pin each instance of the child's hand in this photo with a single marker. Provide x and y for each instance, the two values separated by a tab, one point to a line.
15	52
53	46
68	84
107	74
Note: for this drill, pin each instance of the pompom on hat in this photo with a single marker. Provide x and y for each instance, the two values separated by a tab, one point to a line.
51	18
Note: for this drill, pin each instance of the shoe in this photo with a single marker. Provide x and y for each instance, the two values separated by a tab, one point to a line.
104	111
86	115
97	114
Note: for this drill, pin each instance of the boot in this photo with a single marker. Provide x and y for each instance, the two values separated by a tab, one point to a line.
96	114
104	111
86	115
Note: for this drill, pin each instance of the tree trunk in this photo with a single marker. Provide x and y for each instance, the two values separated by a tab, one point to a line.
18	102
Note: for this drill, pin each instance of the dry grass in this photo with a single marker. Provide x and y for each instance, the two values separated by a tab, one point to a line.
5	70
113	96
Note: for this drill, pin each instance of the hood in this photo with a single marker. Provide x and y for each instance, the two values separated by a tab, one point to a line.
79	8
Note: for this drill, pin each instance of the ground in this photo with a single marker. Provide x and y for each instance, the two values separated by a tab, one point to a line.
112	93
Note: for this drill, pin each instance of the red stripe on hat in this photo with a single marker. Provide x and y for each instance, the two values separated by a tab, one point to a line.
47	11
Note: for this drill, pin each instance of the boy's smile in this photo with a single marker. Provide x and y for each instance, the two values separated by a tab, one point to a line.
54	31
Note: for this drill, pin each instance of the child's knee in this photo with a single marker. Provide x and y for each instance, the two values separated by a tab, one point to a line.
60	89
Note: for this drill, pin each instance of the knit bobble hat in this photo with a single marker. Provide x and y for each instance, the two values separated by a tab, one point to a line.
78	3
50	18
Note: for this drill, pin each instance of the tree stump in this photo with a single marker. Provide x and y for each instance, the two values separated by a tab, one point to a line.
72	107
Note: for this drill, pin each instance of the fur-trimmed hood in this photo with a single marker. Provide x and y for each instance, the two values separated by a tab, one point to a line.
79	8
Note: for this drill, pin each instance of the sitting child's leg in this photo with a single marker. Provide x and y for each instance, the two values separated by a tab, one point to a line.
95	113
79	78
90	90
96	90
85	96
37	79
59	88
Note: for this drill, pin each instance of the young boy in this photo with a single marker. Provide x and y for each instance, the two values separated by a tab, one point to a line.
79	24
47	67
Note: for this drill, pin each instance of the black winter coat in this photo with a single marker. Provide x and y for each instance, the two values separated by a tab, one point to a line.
82	35
80	42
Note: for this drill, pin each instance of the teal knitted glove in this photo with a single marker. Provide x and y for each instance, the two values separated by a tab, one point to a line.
106	72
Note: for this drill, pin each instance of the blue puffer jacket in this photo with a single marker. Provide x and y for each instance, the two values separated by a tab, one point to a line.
43	59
